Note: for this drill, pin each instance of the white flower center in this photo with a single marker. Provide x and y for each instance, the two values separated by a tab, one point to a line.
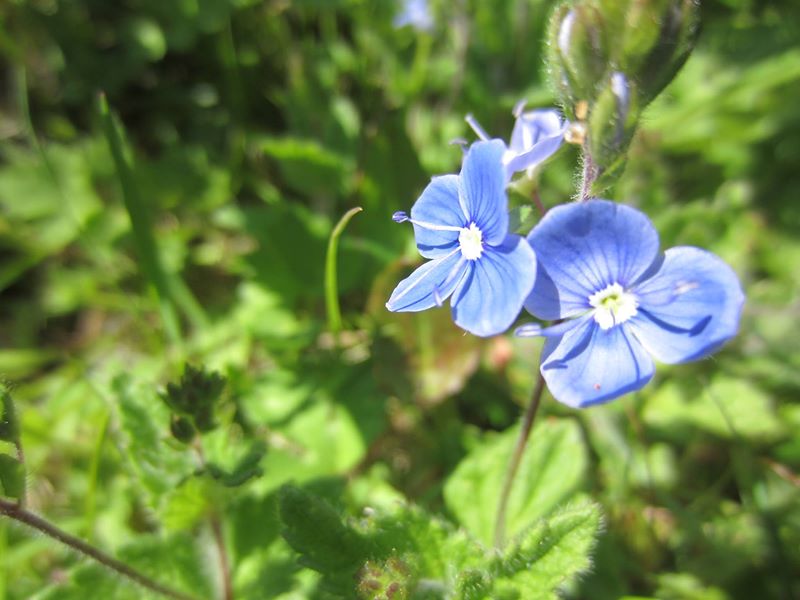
613	306
471	241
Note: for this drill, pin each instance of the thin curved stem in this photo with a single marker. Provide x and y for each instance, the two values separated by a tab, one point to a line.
21	515
516	458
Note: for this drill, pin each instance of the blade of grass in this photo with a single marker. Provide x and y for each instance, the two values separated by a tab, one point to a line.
170	290
94	467
331	280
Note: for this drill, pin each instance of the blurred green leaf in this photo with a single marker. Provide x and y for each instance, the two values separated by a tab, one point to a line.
728	407
12	477
173	560
552	470
143	422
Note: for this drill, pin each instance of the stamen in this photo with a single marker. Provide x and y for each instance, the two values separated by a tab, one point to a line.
613	306
479	131
402	217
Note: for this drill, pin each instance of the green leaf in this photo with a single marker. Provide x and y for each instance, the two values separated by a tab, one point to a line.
144	422
174	561
12	477
729	408
551	553
308	166
552	470
320	441
9	426
315	530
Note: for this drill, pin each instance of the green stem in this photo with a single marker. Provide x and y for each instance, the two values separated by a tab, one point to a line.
516	458
331	283
94	467
224	565
19	514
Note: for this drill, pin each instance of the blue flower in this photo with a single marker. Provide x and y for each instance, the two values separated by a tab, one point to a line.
623	301
537	134
415	13
461	224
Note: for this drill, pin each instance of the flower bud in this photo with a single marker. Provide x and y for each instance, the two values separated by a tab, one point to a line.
648	40
612	124
578	54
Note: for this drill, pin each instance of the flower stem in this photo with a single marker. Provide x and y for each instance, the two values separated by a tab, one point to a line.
21	515
513	466
589	174
331	283
224	566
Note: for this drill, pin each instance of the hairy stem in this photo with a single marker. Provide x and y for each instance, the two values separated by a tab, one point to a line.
219	538
516	458
21	515
589	174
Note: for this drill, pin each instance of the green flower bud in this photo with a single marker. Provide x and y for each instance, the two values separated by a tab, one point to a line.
9	427
578	54
182	429
195	397
612	123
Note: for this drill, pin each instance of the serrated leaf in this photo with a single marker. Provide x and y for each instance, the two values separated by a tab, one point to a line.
552	470
144	427
314	529
12	477
551	553
189	503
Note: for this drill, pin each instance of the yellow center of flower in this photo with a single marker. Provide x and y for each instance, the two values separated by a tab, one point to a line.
471	241
613	306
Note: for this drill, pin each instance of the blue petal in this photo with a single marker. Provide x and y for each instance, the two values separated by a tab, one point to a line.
533	127
589	365
429	285
689	307
438	205
490	297
582	248
483	190
531	158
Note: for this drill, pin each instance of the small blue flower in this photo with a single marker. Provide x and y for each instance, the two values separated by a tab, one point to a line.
537	134
415	13
599	267
461	224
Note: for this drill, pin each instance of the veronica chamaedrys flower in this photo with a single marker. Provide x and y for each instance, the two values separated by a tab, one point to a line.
623	301
461	224
415	13
537	134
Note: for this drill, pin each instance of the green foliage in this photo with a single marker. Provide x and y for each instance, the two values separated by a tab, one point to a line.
192	402
552	470
174	560
9	426
243	130
12	477
407	553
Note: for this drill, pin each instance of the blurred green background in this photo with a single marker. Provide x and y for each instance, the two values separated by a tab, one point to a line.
251	127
